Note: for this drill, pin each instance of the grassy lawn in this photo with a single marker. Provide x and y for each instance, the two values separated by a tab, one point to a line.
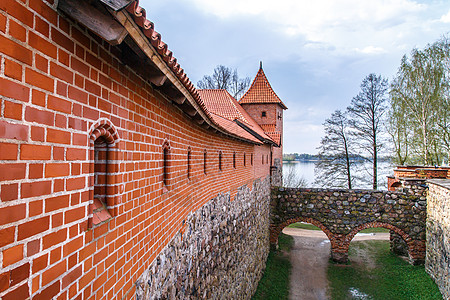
389	277
312	227
274	285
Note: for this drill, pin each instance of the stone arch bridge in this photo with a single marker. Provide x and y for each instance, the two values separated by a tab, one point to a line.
343	213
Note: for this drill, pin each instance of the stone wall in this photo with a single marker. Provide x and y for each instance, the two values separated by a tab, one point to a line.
438	234
219	254
343	213
277	173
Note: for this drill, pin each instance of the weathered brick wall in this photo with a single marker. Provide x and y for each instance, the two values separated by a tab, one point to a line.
437	261
220	253
57	83
343	213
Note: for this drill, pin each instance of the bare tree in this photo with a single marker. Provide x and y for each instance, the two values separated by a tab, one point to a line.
227	79
334	167
291	178
366	115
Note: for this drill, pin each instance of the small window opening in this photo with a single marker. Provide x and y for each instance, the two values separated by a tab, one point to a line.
262	158
251	159
279	116
234	160
244	160
189	163
263	114
101	170
166	166
204	162
220	161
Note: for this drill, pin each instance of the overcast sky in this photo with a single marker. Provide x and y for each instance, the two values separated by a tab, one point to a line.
315	53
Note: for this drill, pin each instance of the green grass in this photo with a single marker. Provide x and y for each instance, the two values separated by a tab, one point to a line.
304	226
274	285
391	277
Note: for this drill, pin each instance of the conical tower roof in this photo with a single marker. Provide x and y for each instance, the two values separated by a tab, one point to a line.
261	91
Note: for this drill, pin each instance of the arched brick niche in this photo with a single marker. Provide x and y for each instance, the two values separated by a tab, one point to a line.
104	186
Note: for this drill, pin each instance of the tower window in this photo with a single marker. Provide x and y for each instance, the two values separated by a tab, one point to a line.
279	116
263	114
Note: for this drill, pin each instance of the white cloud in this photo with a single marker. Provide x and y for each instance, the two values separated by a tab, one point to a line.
446	18
345	24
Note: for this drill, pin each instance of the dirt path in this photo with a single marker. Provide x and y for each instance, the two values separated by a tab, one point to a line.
309	258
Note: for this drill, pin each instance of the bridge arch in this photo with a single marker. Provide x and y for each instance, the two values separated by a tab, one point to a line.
275	233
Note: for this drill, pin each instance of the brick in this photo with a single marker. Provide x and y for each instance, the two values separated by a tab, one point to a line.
7	236
9	192
12	255
13	110
57	170
74	215
35	208
34	227
33	247
33	189
49	292
39	116
13	69
42	45
14	50
40	263
71	277
61	72
54	238
18	11
17	31
19	273
41	63
37	134
79	66
76	154
59	104
2	23
14	90
21	292
58	136
39	80
35	171
13	130
35	152
4	281
42	9
8	151
73	246
12	171
62	40
56	203
75	183
52	273
41	26
13	213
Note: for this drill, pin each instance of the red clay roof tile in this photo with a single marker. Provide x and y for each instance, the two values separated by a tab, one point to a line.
261	91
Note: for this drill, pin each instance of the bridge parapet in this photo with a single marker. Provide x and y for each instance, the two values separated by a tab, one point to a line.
341	213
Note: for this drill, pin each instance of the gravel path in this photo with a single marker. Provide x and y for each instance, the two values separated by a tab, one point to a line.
309	258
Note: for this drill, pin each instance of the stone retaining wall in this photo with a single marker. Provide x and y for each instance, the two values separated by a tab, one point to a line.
220	254
342	213
438	234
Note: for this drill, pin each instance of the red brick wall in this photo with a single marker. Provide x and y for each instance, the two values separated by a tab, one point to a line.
57	81
272	112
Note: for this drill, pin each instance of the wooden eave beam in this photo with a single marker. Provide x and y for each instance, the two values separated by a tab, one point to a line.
96	20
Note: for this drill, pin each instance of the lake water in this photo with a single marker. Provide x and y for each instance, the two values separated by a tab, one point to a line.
305	169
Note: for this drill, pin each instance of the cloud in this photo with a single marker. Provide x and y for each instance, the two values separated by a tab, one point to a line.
371	50
446	18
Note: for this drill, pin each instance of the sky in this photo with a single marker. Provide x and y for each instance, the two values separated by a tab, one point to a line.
314	53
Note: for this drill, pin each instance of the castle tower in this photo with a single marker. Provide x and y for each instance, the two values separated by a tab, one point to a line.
266	108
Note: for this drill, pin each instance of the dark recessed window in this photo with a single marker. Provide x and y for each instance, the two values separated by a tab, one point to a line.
100	170
204	162
279	115
244	160
234	160
166	166
262	158
220	161
251	159
263	114
189	163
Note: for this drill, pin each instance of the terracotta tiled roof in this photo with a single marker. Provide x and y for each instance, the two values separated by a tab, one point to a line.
221	103
261	92
275	136
269	127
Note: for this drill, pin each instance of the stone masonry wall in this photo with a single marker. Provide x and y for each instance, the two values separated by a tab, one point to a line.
343	213
437	261
219	254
